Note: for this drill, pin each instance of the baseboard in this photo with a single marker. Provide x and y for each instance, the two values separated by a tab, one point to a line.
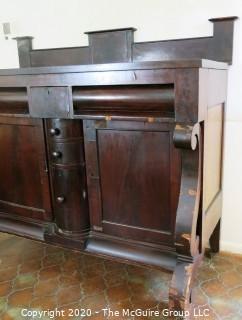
122	250
231	247
19	227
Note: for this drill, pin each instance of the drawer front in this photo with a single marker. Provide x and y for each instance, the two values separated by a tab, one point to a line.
49	102
67	153
70	199
63	129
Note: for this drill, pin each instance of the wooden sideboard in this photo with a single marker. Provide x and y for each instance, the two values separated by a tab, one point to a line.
120	159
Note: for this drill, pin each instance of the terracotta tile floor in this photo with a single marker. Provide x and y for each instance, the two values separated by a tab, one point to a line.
38	277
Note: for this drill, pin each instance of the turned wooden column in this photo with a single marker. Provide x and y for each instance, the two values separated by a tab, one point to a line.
68	178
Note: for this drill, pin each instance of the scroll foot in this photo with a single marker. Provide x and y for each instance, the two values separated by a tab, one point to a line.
181	287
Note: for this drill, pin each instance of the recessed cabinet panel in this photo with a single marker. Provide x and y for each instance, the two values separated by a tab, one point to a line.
133	173
24	185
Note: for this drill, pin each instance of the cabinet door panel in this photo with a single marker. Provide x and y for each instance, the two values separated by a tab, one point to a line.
133	173
134	176
24	183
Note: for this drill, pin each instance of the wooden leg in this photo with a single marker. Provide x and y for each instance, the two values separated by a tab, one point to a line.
180	289
181	286
214	239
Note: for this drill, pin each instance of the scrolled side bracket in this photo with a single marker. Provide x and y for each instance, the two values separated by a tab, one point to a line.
187	137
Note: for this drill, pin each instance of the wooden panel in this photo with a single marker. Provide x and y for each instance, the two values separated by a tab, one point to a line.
111	46
134	171
217	83
131	166
24	187
49	102
107	46
213	137
59	57
219	47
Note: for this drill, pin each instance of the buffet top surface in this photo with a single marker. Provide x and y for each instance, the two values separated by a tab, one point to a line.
166	64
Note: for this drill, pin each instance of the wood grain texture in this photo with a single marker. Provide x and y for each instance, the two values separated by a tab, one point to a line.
23	169
13	101
154	100
130	166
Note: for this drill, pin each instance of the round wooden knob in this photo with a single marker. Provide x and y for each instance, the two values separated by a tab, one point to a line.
56	154
54	131
60	199
84	194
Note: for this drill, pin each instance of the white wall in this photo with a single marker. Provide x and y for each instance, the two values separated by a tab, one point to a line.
57	23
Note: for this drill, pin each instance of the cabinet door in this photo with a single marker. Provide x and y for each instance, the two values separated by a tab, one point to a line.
24	182
133	174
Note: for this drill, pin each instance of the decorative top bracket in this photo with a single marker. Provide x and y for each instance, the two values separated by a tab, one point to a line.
110	46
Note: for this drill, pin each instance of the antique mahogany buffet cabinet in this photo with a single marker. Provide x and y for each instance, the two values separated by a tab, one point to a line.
116	148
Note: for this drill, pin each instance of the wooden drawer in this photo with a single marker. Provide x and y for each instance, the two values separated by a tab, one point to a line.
70	198
49	102
152	100
67	153
63	129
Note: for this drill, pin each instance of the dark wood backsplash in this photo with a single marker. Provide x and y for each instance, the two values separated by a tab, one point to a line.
109	46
